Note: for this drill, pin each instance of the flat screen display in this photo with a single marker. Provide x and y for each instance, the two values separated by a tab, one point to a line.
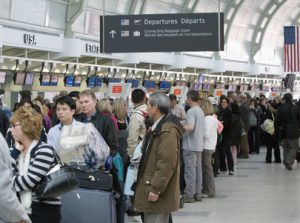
2	77
45	81
134	82
91	81
165	85
150	84
53	80
20	79
114	80
77	81
29	78
69	82
98	82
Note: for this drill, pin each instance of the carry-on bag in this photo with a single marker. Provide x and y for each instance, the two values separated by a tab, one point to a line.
88	206
97	180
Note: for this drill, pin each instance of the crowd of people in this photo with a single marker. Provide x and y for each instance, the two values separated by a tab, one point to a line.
174	149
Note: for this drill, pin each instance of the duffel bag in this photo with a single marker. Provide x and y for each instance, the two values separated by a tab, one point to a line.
98	180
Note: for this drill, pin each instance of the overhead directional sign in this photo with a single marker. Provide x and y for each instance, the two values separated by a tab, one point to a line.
162	32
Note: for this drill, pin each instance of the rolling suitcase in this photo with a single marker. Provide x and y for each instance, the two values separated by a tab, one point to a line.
88	206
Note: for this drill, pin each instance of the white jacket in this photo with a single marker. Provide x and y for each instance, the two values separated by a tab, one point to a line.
210	133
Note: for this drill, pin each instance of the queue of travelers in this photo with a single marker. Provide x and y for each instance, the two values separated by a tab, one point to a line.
194	144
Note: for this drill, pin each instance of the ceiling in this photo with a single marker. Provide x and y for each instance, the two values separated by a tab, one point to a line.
253	28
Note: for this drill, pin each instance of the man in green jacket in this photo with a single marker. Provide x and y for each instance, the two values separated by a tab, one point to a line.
157	191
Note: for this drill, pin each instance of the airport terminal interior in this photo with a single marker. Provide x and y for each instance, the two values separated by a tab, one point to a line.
215	47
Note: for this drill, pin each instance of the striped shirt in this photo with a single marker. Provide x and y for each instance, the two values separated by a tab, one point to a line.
42	159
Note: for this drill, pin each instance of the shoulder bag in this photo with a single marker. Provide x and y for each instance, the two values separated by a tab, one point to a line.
59	180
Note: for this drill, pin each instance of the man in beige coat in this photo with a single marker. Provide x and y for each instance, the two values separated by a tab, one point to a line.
137	128
157	189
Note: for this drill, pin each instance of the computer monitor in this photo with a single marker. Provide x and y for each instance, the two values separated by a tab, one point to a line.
19	78
2	77
91	81
77	81
98	81
45	80
53	80
69	81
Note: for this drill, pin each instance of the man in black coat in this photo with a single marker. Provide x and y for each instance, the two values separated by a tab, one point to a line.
287	129
4	123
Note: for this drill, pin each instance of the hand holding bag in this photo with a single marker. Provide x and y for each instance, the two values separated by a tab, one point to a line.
59	180
268	126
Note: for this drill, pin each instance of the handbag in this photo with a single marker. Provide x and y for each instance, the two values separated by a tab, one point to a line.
268	126
59	180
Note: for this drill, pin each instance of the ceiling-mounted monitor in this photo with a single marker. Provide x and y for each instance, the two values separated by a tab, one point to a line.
77	81
29	79
165	85
2	77
53	80
45	80
90	82
98	81
19	78
69	80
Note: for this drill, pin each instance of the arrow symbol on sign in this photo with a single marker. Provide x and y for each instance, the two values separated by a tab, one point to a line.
112	33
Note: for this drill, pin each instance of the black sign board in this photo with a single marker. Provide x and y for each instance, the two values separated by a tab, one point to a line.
162	33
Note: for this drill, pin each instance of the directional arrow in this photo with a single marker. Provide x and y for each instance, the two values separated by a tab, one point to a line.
112	33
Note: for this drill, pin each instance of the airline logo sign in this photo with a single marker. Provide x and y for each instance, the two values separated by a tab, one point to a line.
117	89
177	91
162	32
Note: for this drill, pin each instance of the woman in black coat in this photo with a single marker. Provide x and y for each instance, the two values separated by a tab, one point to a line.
270	140
236	130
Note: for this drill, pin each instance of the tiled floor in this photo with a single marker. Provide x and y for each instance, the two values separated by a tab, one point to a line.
257	193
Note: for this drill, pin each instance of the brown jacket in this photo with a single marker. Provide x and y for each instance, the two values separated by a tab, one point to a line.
159	168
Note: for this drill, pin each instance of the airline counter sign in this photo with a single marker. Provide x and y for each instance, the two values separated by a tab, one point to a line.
162	32
117	89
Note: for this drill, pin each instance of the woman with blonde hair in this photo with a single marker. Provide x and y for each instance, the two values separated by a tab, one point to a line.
209	146
105	108
31	160
120	111
47	120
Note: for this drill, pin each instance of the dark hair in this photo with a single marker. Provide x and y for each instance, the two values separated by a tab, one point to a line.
226	99
288	97
172	97
74	94
26	100
138	96
37	108
235	108
66	100
193	95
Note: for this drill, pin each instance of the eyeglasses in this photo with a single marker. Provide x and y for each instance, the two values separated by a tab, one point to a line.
14	125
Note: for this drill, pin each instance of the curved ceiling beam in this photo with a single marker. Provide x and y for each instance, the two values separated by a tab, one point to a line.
74	9
132	7
263	22
232	8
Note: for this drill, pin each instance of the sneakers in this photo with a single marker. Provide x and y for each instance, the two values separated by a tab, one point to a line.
189	200
204	196
198	197
231	173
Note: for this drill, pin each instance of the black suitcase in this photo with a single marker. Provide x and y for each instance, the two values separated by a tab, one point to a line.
98	180
88	206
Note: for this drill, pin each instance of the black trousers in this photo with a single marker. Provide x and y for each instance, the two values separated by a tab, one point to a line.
254	139
225	153
45	213
272	142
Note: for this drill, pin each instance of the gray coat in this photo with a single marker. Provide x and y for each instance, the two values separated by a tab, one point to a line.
10	208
